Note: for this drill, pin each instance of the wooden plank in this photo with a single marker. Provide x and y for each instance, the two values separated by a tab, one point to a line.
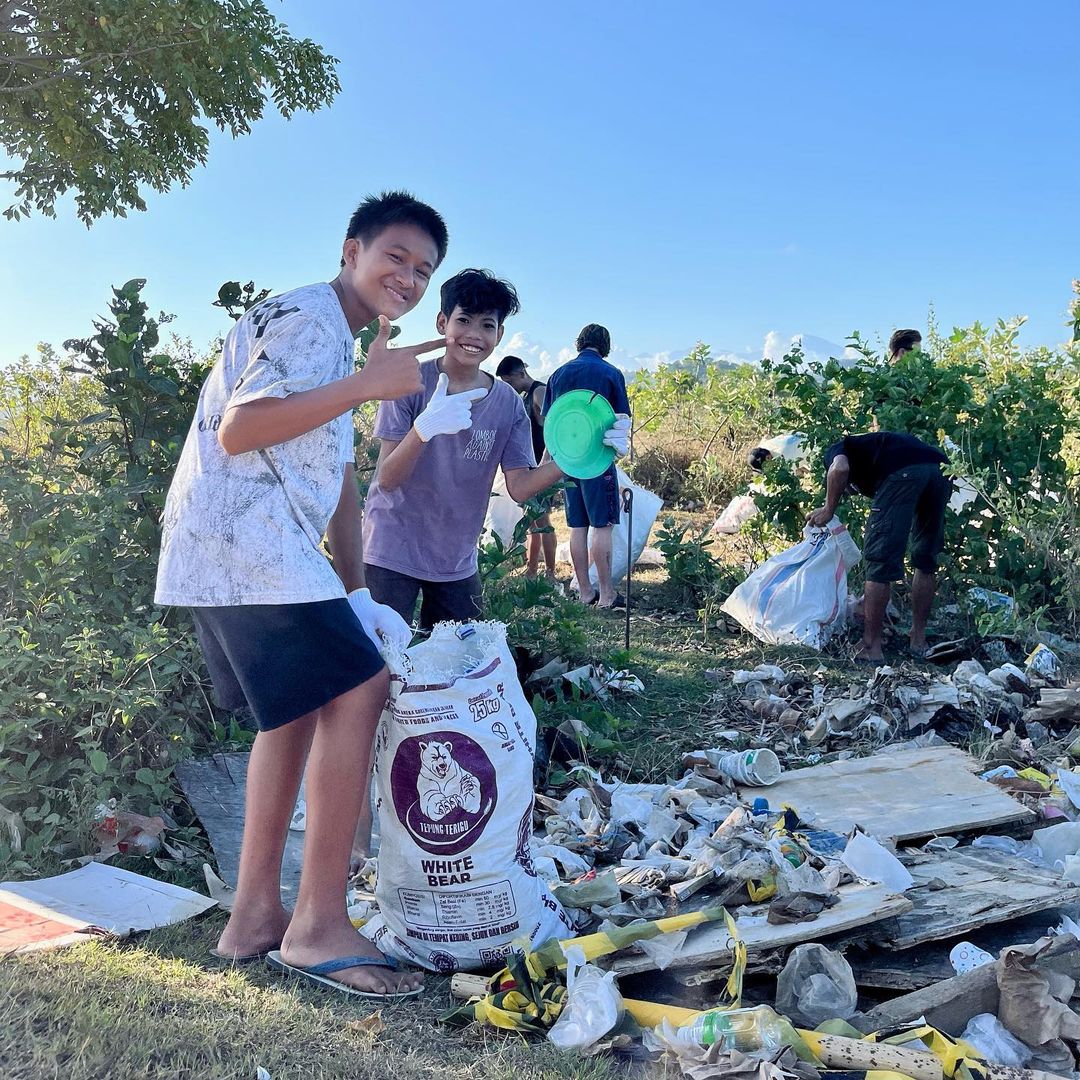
900	796
982	888
859	905
950	1004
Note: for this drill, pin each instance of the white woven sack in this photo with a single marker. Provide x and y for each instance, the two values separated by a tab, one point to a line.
454	794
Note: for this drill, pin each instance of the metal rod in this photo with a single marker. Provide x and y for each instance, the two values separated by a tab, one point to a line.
628	509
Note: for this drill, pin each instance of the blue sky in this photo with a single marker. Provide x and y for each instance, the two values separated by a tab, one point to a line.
738	173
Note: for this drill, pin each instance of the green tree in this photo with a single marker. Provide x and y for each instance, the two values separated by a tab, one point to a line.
105	98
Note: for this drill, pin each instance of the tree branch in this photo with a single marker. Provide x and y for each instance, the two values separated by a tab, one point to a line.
80	65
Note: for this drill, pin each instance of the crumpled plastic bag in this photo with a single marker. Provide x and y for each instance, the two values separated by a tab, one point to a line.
868	859
593	1004
994	1042
816	985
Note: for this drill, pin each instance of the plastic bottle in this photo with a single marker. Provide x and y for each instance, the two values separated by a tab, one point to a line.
741	1029
757	768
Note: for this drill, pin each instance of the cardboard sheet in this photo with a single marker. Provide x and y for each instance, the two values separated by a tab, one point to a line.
896	796
49	912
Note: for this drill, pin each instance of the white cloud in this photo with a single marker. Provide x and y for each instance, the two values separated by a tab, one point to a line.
542	361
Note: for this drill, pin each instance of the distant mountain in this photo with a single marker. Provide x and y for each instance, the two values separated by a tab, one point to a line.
542	361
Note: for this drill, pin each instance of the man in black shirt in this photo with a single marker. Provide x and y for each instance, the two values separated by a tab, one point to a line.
512	370
902	474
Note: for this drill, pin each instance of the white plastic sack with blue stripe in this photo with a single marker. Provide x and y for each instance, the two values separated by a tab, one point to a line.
799	597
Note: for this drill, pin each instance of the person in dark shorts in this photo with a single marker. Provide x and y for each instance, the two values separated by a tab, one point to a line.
266	472
593	502
903	476
514	373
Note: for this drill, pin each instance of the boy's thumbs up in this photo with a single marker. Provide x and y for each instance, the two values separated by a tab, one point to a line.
440	388
446	415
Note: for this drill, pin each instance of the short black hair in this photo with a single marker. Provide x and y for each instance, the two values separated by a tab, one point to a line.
903	339
508	365
757	457
378	212
479	291
594	336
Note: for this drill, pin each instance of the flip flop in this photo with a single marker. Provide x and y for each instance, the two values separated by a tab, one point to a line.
594	601
317	973
619	602
246	958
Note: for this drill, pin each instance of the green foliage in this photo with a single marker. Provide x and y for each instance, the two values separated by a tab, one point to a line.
496	559
38	395
691	566
235	298
581	716
538	618
693	421
103	692
110	98
997	408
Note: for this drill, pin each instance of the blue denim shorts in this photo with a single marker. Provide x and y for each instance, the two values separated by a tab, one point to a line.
593	502
284	661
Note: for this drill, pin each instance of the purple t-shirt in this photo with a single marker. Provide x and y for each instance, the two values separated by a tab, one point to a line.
429	527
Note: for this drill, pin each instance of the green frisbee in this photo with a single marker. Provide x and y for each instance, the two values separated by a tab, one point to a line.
574	433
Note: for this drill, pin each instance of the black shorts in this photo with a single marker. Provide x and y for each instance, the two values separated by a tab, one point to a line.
593	502
909	501
284	661
443	601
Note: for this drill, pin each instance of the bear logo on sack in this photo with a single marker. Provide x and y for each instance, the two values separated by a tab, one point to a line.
443	785
444	790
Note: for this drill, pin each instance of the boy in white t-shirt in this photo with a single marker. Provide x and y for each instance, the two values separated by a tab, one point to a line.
266	472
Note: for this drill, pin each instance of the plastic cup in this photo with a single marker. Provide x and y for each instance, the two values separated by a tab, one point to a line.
756	768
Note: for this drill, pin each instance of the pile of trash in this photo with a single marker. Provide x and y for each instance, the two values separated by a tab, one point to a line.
616	852
1020	714
641	868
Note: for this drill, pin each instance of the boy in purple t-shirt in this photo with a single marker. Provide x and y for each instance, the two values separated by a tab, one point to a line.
440	450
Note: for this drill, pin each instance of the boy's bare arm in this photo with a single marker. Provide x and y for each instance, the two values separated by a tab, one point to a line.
523	484
387	374
397	460
344	535
538	406
836	482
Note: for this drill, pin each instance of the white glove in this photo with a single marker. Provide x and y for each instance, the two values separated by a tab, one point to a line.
447	414
380	622
618	435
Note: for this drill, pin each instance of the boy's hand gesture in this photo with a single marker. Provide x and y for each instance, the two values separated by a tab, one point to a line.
392	373
447	414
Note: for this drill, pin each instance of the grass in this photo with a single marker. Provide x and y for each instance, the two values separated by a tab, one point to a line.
162	1007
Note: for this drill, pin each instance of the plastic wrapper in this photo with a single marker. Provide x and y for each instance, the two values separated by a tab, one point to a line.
865	857
593	1004
816	985
994	1042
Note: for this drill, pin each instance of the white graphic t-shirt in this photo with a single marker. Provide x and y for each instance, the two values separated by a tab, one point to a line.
246	529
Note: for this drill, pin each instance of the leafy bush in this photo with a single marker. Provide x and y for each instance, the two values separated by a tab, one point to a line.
103	691
691	567
693	421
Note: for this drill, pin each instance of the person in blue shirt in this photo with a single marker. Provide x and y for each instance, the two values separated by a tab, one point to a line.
592	502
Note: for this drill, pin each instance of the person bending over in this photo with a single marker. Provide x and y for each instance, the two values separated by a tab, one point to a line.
903	477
